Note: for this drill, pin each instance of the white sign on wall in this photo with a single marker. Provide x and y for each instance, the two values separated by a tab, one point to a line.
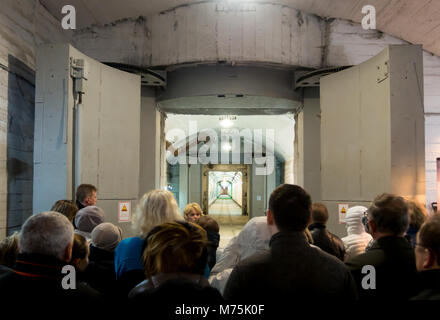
124	211
342	209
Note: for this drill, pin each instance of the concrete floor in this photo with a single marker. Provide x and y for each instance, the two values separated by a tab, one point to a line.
224	207
228	215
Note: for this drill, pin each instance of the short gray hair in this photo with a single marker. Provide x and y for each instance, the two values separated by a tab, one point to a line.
47	233
390	213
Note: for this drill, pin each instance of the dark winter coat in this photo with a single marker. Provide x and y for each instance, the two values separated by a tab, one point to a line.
327	241
292	268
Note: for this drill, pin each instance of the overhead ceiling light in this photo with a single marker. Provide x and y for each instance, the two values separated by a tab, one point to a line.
227	147
227	121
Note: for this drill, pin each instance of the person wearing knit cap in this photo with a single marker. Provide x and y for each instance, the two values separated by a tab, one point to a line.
106	236
100	272
87	219
357	238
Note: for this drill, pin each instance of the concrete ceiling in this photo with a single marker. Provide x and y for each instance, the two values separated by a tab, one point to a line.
416	21
282	126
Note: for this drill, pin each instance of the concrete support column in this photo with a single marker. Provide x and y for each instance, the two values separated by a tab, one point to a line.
270	186
183	186
195	183
307	161
258	194
150	148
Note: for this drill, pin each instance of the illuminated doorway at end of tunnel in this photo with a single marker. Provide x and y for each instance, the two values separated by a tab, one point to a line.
225	190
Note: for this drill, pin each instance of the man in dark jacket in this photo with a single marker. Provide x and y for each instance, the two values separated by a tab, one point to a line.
322	238
292	268
39	277
86	195
427	251
386	271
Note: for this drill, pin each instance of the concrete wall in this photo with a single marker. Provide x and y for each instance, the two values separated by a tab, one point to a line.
209	31
150	165
257	33
237	191
307	145
267	33
23	25
195	183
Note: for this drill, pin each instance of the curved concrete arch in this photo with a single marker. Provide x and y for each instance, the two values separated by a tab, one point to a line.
185	144
209	31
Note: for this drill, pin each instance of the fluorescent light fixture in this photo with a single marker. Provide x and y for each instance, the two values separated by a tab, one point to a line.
226	123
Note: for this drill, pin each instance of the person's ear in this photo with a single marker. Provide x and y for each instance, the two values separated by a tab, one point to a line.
372	226
68	252
429	259
270	220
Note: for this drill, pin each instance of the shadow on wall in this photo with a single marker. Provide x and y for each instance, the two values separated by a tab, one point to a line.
20	143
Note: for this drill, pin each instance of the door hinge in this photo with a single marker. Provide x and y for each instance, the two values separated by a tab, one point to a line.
383	71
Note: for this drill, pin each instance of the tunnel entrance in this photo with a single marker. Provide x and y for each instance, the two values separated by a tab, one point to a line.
225	192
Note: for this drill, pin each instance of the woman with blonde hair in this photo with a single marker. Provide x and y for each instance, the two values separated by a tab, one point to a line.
155	207
192	212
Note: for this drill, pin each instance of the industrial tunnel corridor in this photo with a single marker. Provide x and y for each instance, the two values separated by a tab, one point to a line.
225	190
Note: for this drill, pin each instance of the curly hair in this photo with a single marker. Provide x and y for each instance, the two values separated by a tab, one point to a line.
189	208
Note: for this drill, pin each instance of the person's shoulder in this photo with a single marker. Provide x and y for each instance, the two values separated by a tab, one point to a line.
257	259
428	294
4	270
6	277
326	258
335	236
129	244
130	241
371	257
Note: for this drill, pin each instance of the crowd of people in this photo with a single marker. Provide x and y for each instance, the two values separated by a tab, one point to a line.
391	251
